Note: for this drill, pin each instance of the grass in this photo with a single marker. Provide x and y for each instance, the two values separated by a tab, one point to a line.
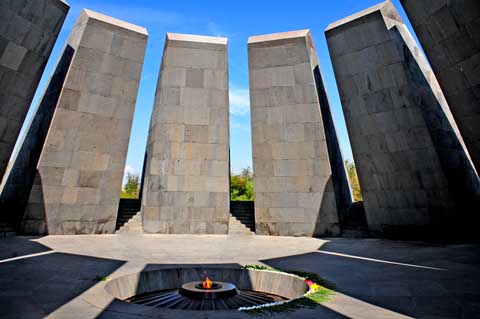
101	278
323	294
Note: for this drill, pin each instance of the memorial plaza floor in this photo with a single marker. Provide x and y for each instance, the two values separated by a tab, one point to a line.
57	276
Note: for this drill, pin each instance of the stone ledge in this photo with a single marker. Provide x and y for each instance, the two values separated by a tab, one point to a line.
196	38
281	38
386	9
116	22
282	284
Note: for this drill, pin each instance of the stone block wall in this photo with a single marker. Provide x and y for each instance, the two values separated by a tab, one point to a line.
28	31
449	34
412	164
187	172
80	170
21	172
294	194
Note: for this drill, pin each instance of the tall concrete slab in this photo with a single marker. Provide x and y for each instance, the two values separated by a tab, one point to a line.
20	174
449	34
187	172
83	124
414	171
294	193
28	31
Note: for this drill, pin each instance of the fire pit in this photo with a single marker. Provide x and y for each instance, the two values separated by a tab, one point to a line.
208	289
177	290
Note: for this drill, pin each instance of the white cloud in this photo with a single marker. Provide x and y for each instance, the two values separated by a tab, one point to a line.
218	31
239	126
239	101
215	29
129	169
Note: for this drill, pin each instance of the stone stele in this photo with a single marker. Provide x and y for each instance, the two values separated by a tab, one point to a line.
413	168
294	193
80	169
449	33
28	31
187	171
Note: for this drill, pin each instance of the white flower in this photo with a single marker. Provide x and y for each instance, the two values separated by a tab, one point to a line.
277	303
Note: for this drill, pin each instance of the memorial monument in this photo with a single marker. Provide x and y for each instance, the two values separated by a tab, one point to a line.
27	35
294	193
80	167
414	172
187	171
448	32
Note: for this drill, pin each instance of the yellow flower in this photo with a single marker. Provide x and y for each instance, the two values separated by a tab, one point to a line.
315	287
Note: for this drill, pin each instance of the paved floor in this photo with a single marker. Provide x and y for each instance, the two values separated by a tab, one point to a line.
55	276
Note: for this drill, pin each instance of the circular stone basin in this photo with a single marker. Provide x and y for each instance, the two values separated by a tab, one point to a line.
177	289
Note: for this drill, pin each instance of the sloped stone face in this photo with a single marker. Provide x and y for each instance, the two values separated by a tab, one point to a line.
413	169
80	170
187	171
28	31
293	188
448	31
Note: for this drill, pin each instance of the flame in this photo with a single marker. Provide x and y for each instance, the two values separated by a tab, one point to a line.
207	283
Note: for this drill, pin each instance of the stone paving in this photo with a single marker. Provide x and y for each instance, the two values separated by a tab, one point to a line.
55	276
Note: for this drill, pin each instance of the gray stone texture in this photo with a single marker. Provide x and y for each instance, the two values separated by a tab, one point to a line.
187	171
341	183
28	31
80	169
20	175
449	34
294	194
413	168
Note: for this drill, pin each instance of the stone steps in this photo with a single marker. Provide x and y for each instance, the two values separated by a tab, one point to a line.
236	227
244	214
133	226
127	209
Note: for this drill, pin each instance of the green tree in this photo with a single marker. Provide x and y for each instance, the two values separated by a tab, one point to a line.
353	177
131	189
241	185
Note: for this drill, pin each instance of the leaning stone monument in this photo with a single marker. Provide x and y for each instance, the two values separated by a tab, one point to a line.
448	32
187	171
89	106
414	172
294	193
28	32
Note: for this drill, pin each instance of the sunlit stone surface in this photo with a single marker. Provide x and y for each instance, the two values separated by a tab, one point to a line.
28	31
294	192
187	171
413	169
80	169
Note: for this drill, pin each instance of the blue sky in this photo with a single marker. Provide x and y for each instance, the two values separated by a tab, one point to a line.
236	20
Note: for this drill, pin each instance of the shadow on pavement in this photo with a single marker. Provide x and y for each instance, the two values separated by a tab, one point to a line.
36	286
13	247
411	278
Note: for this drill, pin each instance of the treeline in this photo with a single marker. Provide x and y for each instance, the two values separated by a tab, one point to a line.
131	189
241	185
